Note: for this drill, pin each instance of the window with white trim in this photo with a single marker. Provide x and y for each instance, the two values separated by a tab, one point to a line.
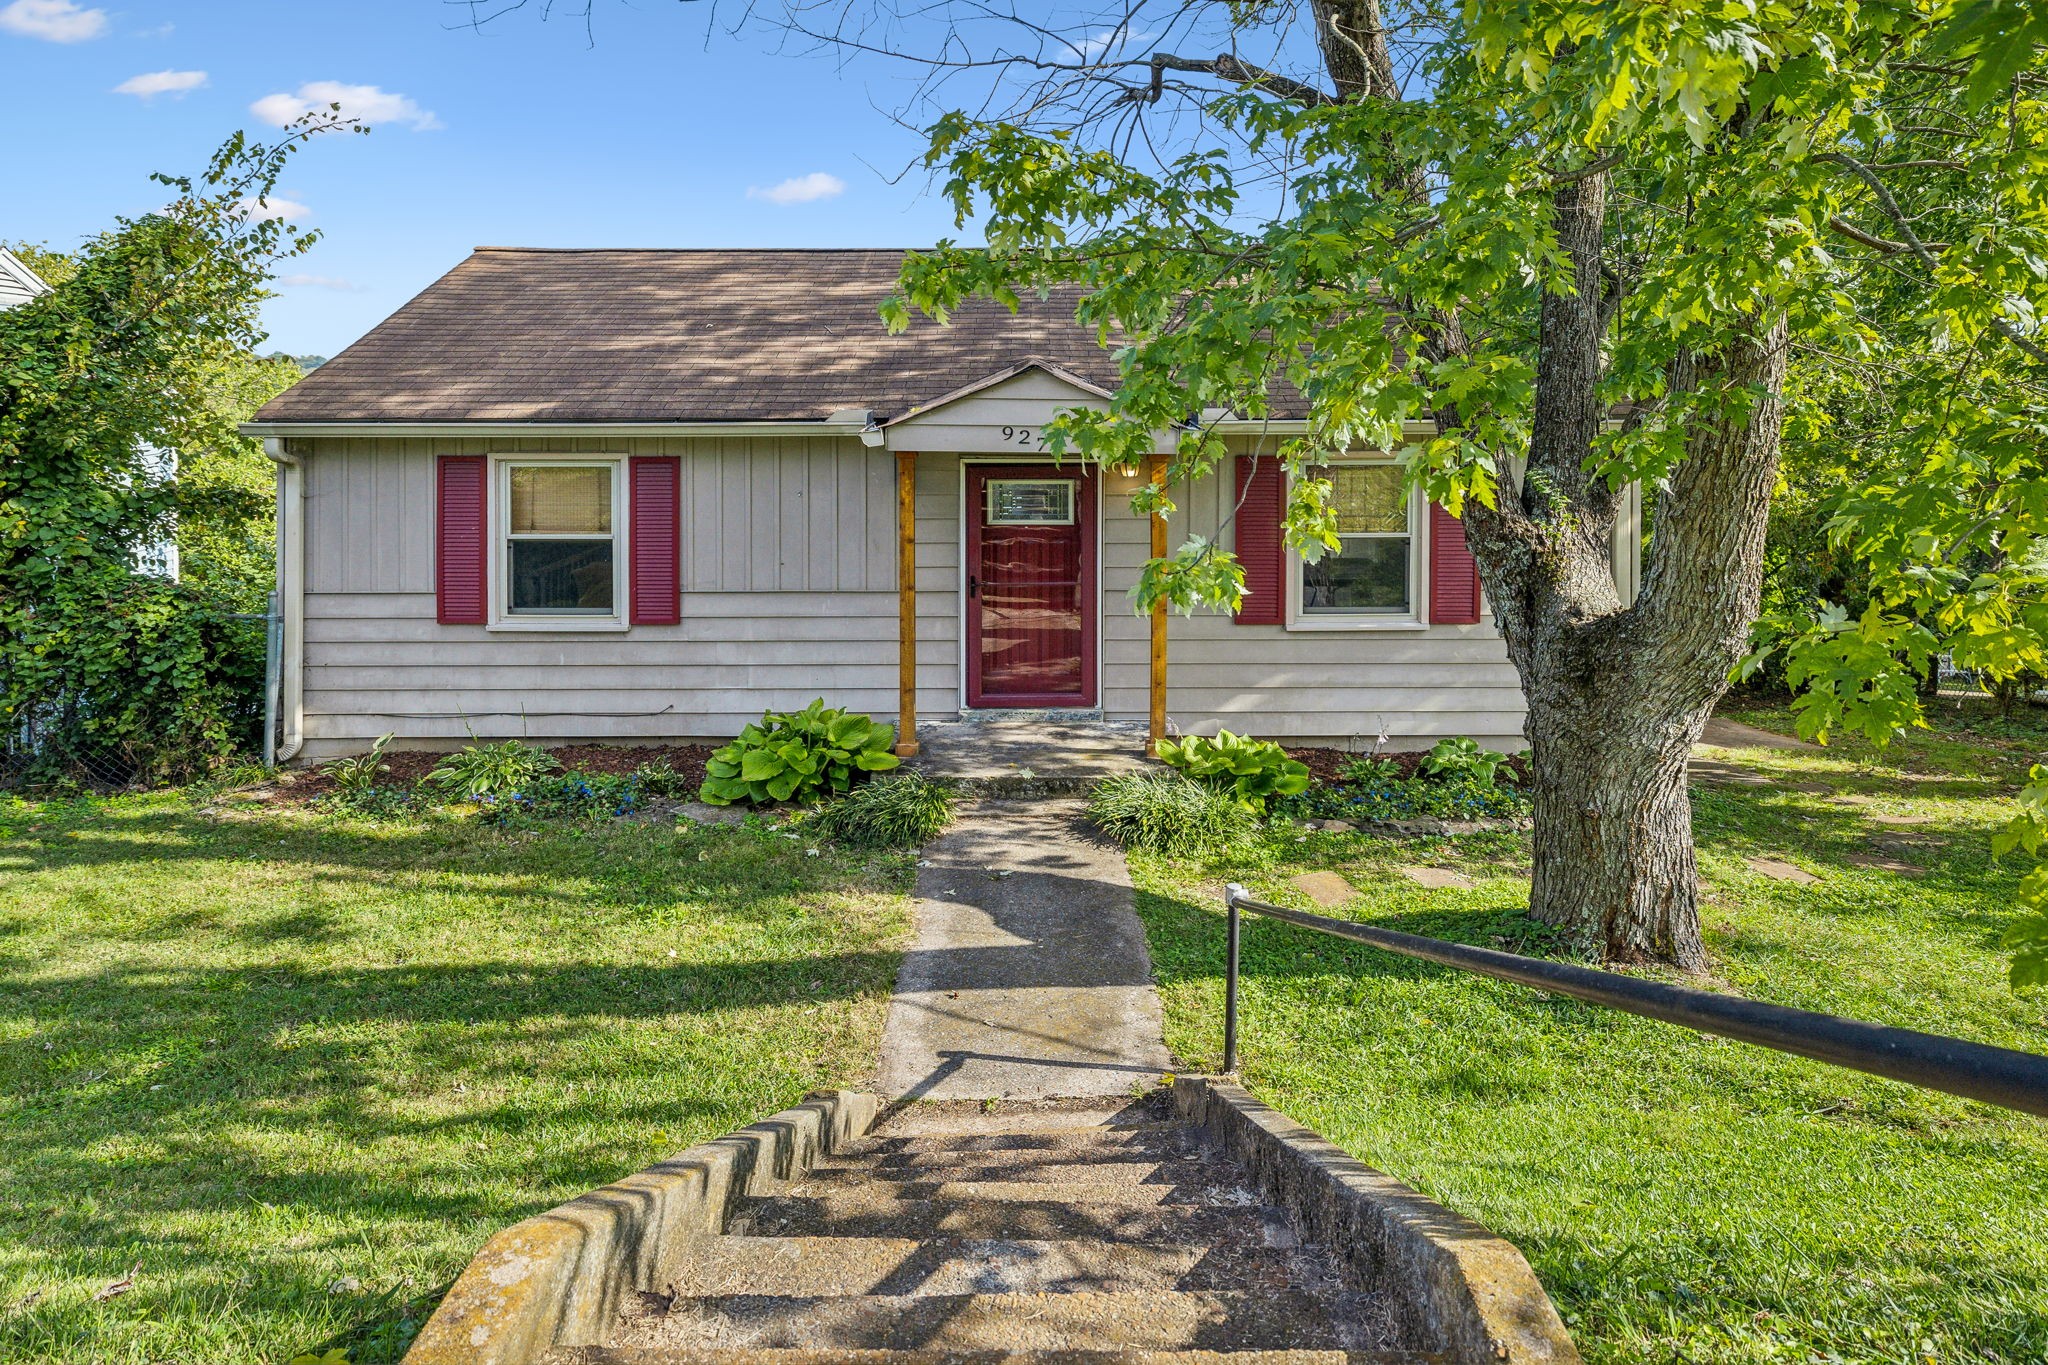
560	552
1373	574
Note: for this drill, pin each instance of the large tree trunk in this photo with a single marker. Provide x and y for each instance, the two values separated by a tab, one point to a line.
1613	852
1618	693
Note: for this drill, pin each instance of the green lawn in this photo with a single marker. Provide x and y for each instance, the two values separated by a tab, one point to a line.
1684	1199
293	1069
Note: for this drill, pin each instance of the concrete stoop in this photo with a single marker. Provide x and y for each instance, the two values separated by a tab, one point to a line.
1192	1227
1029	756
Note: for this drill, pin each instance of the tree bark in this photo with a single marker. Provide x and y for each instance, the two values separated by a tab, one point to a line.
1618	693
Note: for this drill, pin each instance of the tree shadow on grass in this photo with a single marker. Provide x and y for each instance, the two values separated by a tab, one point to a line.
170	1099
237	1116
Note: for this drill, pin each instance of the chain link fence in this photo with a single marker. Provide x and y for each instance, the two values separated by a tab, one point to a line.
50	750
2006	695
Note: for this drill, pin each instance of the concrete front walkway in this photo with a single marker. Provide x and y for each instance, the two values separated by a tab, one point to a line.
1029	978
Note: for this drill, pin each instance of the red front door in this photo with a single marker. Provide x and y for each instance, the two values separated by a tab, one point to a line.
1030	585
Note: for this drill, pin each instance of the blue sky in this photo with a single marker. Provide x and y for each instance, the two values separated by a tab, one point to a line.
525	133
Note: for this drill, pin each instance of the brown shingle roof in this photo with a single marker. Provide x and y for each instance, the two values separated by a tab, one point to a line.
513	335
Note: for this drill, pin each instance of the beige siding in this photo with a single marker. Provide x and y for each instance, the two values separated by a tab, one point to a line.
1023	404
1415	686
790	593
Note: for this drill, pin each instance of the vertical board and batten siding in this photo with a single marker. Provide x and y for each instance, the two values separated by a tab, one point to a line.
789	592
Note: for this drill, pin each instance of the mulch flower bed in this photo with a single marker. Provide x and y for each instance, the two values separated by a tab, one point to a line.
1326	765
408	766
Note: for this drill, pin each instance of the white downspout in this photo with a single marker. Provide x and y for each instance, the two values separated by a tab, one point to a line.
291	593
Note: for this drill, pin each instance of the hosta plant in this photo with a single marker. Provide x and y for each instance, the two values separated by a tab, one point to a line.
495	770
797	755
1253	770
358	773
1464	758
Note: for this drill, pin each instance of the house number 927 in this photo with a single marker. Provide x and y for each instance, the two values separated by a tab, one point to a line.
1019	435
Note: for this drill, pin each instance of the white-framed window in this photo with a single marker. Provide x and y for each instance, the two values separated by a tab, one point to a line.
560	543
1374	580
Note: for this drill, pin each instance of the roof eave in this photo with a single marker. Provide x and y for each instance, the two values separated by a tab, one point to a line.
308	428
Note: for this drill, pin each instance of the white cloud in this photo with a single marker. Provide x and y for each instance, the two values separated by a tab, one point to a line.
333	282
365	102
273	206
800	189
56	21
152	83
1103	42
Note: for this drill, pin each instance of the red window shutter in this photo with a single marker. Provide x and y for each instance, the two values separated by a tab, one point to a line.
1453	576
657	543
460	552
1261	503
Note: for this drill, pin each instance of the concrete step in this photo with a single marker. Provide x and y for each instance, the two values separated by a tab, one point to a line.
711	1355
1019	1158
1159	1139
1036	1167
1173	1321
702	1355
1082	1190
830	1266
1004	1212
1015	1116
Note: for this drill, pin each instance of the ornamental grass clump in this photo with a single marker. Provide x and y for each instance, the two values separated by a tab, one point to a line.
1169	814
901	810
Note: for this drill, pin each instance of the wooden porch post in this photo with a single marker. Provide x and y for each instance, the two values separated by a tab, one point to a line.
906	603
1158	677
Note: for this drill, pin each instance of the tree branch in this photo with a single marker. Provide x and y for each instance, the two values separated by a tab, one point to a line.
1919	248
1238	72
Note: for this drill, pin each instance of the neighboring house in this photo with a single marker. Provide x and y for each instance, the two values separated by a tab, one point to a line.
634	495
18	284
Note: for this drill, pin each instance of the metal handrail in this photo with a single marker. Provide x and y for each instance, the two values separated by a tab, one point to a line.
1977	1071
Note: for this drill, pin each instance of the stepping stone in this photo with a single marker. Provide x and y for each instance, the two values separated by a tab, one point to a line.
1781	871
1901	819
1327	889
1878	860
1436	878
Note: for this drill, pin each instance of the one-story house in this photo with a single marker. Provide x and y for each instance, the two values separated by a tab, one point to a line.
640	495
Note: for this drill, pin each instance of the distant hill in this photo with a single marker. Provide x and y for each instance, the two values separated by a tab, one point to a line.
306	363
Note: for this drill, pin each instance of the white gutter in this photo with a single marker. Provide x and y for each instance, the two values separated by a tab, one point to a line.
291	595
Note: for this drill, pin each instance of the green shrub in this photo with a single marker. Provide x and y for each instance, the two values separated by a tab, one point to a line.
1167	813
494	770
1253	770
1463	758
797	755
901	810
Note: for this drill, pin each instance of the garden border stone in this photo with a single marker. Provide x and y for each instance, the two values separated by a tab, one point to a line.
560	1277
1459	1287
